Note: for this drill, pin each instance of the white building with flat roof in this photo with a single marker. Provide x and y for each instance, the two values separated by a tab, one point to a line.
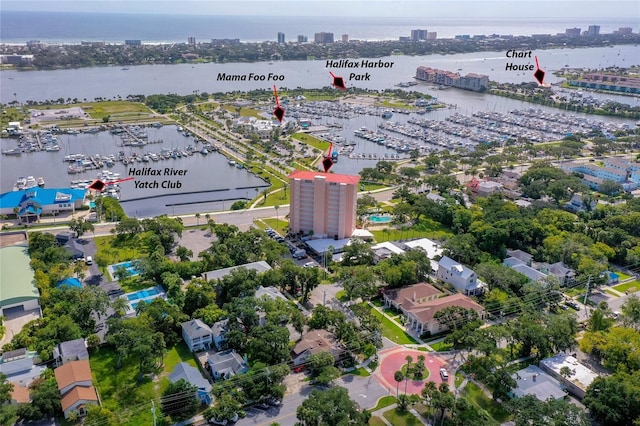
579	380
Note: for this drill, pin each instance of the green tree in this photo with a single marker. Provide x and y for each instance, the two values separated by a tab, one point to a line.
80	226
179	400
332	407
612	400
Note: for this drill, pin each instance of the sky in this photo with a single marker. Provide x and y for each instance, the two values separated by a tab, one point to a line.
373	8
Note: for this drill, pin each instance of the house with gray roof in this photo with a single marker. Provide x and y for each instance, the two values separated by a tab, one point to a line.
565	275
226	364
20	370
259	267
197	335
71	350
459	276
522	255
193	376
521	267
219	333
531	380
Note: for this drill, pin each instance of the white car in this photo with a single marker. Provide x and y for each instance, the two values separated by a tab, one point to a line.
309	265
444	374
89	260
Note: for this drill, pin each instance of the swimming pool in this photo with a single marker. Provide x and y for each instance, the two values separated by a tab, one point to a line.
131	267
380	219
142	294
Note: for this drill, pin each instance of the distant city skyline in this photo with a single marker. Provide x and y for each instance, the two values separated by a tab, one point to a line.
357	8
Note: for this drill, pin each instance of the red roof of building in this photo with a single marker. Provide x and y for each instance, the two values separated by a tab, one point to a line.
329	177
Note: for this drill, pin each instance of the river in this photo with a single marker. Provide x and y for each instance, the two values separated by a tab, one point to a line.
111	82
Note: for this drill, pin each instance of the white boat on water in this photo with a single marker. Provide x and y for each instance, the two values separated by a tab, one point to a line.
232	162
40	181
31	182
20	184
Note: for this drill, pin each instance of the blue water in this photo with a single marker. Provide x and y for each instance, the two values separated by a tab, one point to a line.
65	27
380	219
130	267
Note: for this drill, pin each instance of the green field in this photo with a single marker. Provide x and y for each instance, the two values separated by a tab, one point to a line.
99	110
120	391
244	112
631	287
394	105
383	402
401	418
392	331
376	421
475	395
426	228
311	141
278	225
441	346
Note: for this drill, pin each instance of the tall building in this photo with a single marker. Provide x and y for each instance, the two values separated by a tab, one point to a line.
133	42
281	38
191	41
323	37
418	35
432	35
324	203
593	30
345	38
621	31
302	38
572	32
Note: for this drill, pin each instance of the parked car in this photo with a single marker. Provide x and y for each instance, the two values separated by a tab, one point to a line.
263	406
275	402
309	265
444	374
89	260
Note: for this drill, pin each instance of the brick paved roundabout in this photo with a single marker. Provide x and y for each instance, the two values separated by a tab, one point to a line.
392	360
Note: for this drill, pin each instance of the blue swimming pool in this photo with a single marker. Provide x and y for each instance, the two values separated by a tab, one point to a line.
380	219
144	295
130	266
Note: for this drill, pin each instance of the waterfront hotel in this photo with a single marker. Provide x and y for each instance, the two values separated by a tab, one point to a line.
324	203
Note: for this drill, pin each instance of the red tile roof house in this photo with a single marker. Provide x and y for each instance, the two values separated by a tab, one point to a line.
420	302
76	387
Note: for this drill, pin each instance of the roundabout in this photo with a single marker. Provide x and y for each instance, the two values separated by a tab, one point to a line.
392	360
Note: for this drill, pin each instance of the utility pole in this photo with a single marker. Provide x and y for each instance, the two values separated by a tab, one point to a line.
586	296
324	298
153	411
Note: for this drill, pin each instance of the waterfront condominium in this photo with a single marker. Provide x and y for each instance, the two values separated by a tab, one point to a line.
324	203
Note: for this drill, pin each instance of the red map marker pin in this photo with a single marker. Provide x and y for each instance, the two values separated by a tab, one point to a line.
338	82
99	185
278	111
539	74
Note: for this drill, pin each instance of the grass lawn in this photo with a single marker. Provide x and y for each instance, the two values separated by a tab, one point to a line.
360	372
376	421
383	402
392	331
458	380
401	418
611	292
98	110
575	291
244	112
278	225
278	198
426	228
630	287
371	186
120	391
391	104
341	296
373	365
311	141
423	349
622	276
425	374
441	346
110	250
475	395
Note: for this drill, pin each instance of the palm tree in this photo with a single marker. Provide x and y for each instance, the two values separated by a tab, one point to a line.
409	360
428	392
398	377
277	206
197	219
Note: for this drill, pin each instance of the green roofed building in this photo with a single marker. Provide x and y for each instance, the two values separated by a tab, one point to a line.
18	292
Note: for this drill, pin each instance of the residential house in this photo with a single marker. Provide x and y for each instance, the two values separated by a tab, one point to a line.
406	298
526	270
219	333
76	387
71	350
525	257
197	335
260	266
459	276
421	317
20	395
193	376
385	250
19	368
488	187
531	380
226	364
565	275
577	381
313	342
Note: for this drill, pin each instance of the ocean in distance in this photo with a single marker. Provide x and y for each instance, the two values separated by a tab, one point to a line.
64	27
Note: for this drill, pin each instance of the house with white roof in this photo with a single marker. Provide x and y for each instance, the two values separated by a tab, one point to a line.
580	376
459	276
